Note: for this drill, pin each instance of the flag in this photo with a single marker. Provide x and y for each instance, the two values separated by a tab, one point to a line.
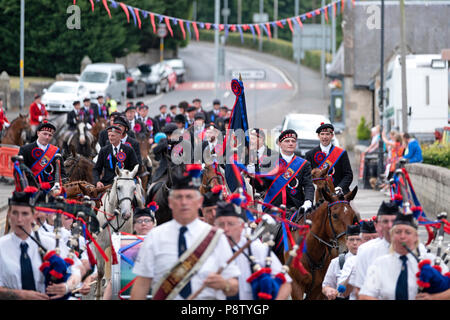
238	120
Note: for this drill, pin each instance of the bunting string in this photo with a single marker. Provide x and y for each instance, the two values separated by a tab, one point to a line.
335	7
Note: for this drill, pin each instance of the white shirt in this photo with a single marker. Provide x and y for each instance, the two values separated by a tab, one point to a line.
259	251
367	253
348	273
41	146
118	148
325	149
287	158
334	271
10	272
159	253
382	275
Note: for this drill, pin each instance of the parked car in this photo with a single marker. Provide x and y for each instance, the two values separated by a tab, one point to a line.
154	76
178	66
136	86
305	125
59	97
171	78
103	79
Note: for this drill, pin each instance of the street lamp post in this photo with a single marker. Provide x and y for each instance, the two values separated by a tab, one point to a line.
381	102
22	41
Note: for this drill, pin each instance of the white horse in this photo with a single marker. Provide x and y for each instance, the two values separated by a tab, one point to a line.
115	215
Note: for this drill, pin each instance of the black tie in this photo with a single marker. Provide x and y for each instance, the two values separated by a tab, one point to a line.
26	269
401	290
115	151
182	248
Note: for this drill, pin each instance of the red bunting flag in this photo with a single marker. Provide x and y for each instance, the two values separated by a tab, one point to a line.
125	9
92	5
258	31
326	14
309	15
299	21
105	4
245	27
136	11
221	27
317	12
353	3
268	30
343	5
195	30
233	28
334	9
280	24
74	2
208	26
152	19
181	23
166	19
290	25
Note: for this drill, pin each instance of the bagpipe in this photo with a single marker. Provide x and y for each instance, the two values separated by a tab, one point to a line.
429	278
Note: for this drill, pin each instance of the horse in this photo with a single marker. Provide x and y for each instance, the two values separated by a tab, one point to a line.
17	132
321	180
78	189
159	192
115	213
82	142
323	242
79	168
144	146
211	177
97	127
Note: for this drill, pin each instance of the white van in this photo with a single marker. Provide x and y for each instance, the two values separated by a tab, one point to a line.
103	79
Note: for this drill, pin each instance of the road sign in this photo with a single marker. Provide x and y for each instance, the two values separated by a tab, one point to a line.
260	18
249	74
162	30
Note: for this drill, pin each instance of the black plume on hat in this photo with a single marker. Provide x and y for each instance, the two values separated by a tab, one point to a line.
226	209
181	181
368	227
406	219
21	199
210	199
143	212
388	208
353	230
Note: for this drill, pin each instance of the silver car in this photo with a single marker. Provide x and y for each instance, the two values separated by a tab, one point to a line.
59	97
178	67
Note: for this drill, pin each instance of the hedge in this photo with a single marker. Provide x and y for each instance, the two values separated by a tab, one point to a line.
277	47
437	154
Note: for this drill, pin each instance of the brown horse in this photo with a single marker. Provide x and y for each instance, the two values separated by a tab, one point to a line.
144	146
322	180
98	126
325	239
78	189
79	168
210	179
14	133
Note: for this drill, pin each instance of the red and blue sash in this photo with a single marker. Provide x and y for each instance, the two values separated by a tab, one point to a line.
44	160
283	179
333	157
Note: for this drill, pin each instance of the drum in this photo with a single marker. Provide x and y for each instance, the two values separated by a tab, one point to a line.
122	276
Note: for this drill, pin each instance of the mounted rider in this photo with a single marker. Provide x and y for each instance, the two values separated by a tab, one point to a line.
39	156
336	158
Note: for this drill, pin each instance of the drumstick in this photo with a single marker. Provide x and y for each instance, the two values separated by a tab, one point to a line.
90	284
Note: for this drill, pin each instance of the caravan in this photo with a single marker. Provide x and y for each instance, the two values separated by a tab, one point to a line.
427	95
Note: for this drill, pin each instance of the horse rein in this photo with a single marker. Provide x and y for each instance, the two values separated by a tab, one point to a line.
336	237
115	215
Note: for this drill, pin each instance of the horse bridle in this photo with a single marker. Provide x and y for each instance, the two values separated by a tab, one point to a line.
334	242
108	221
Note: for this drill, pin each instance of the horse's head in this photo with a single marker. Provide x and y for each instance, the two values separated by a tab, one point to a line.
340	215
81	129
98	126
125	187
71	161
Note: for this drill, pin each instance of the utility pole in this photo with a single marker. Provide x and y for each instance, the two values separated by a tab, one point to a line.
22	41
194	9
381	102
275	18
216	44
239	11
322	54
225	12
403	62
333	35
261	11
298	31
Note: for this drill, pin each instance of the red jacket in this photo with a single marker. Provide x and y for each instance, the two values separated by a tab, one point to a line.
35	112
3	119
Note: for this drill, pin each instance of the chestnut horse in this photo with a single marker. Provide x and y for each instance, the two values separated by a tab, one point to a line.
322	180
14	134
210	178
324	241
79	168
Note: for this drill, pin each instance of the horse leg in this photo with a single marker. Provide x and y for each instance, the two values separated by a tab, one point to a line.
297	290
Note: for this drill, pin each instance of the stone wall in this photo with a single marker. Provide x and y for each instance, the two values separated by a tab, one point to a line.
432	186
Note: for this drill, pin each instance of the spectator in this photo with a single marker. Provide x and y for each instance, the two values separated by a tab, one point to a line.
413	152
